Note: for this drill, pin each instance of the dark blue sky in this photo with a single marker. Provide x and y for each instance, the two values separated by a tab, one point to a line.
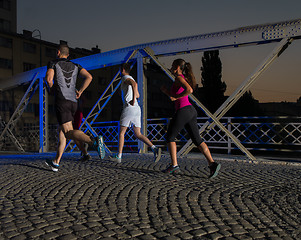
117	23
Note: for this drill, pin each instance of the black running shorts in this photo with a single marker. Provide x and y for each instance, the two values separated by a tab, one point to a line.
65	111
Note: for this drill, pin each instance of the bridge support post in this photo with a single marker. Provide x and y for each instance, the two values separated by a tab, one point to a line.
142	87
43	109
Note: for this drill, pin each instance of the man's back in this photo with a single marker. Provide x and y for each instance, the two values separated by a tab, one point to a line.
66	73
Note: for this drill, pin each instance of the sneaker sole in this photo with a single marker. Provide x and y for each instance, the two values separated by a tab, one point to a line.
172	171
102	150
115	160
159	155
216	171
52	168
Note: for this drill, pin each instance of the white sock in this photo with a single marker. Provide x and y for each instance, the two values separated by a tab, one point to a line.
119	155
153	147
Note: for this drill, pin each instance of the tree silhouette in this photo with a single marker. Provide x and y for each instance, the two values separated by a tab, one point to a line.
212	92
247	105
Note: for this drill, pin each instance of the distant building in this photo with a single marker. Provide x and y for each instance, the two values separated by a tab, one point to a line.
8	15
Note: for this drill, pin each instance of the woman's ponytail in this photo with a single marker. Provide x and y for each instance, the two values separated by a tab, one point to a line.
188	73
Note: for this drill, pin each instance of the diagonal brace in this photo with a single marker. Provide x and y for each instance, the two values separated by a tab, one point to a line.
249	81
199	104
97	108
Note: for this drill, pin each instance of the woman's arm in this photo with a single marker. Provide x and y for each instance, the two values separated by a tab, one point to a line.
180	82
187	88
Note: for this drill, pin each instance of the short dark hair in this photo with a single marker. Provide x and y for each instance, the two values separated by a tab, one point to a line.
126	67
64	49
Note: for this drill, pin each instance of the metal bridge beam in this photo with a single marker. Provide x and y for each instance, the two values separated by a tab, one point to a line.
244	36
102	102
43	116
249	81
142	86
20	109
205	110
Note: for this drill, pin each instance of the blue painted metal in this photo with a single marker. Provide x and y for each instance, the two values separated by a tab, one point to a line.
245	36
22	105
254	35
41	115
249	130
143	100
97	108
23	78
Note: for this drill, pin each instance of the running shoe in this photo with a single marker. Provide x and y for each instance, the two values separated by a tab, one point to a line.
214	168
85	157
172	169
115	158
50	163
99	146
157	154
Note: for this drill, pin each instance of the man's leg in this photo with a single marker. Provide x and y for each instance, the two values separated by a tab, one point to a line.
137	132
75	135
60	150
80	136
81	147
156	150
117	157
61	147
121	139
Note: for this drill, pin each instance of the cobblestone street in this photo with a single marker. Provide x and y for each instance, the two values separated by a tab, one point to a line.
100	199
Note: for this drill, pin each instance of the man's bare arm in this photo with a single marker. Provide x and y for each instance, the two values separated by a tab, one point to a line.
49	77
88	79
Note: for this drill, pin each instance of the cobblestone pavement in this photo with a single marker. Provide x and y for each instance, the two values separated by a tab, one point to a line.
100	199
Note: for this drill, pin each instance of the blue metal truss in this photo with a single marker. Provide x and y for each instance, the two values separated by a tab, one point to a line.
283	32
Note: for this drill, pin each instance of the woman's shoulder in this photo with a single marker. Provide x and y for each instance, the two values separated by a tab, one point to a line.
179	79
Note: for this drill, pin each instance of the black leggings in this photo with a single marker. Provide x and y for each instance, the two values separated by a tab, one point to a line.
184	117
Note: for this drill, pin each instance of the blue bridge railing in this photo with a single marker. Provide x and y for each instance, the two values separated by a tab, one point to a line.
275	134
255	133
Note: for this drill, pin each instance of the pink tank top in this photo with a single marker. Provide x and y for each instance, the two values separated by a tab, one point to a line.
183	101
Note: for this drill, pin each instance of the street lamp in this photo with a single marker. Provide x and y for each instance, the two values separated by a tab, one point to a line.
38	34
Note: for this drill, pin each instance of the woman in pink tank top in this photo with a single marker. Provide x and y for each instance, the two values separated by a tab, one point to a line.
185	116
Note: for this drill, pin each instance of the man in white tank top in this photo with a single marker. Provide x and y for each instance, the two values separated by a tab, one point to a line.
131	114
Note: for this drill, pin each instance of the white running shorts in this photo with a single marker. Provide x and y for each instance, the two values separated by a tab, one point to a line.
131	115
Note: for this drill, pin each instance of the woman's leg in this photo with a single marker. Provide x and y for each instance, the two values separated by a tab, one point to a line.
176	124
193	131
205	150
172	148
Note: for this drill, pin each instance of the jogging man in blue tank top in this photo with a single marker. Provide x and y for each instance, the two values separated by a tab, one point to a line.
62	75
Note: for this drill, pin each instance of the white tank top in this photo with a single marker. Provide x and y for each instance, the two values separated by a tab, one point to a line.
127	91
